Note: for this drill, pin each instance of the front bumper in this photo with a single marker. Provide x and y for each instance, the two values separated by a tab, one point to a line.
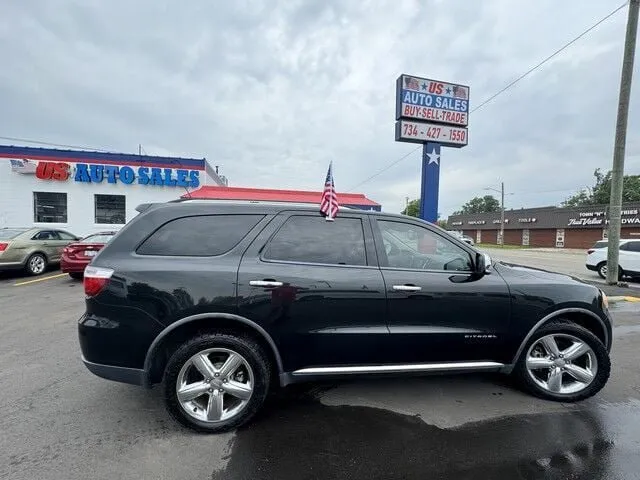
132	376
593	268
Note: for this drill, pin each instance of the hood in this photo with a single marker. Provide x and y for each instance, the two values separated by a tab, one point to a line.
513	270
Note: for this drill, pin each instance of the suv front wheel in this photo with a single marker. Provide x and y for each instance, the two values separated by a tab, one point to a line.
216	382
564	362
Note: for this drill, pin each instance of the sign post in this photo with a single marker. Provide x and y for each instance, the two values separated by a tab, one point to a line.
435	114
430	182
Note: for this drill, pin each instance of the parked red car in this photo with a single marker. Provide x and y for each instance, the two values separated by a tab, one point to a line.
77	255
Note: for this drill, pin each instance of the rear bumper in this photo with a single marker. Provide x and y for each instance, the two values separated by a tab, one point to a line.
68	265
132	376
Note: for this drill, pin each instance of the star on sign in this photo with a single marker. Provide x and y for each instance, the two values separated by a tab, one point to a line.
448	91
424	86
433	158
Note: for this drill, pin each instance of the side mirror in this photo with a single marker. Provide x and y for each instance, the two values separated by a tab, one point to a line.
483	264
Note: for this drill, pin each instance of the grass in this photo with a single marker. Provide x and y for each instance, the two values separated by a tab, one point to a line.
501	247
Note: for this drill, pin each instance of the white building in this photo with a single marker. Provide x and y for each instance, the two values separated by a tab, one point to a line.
85	192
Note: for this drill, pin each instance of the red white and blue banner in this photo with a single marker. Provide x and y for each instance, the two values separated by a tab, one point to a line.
432	101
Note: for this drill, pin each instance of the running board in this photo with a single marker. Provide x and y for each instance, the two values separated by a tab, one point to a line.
416	367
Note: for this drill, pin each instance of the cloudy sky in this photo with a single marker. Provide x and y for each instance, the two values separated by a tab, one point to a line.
273	90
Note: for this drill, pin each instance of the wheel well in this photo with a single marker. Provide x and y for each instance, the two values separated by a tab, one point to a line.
588	322
172	341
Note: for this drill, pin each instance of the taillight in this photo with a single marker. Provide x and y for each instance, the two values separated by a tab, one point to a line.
590	251
96	279
66	250
3	246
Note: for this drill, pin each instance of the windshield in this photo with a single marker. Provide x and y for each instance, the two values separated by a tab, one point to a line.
9	233
97	238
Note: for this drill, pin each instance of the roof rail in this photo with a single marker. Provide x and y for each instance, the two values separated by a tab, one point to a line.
251	202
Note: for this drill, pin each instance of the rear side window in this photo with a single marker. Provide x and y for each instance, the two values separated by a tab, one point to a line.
599	245
633	246
200	236
311	239
8	233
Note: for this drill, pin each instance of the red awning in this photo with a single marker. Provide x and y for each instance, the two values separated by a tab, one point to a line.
272	195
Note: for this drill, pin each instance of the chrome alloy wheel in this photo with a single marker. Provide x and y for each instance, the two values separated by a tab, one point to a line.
215	385
37	264
561	363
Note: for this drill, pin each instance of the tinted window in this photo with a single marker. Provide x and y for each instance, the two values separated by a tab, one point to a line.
633	246
97	238
46	235
203	235
411	246
65	235
9	233
110	209
49	207
600	244
310	239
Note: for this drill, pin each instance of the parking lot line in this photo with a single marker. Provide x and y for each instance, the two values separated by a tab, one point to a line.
39	279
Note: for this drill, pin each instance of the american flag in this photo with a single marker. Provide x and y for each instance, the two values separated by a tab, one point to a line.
411	83
459	92
329	204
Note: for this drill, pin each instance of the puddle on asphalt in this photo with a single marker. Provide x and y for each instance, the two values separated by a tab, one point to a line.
296	437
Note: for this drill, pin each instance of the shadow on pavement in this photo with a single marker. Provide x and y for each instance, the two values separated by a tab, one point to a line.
296	437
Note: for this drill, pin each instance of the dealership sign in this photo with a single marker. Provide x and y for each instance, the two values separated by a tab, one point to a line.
432	101
96	173
420	132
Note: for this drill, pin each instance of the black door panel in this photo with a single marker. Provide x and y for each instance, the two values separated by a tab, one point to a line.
439	310
318	314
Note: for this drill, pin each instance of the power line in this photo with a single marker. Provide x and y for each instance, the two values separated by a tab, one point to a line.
507	87
564	47
37	142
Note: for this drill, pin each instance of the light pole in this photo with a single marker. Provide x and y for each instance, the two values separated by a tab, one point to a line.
501	192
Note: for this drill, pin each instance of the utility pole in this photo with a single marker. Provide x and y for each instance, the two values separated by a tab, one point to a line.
502	214
617	173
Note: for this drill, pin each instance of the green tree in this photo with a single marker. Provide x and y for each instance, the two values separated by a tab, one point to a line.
413	208
600	193
486	204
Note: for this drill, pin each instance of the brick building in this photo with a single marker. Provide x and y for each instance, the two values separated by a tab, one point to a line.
547	226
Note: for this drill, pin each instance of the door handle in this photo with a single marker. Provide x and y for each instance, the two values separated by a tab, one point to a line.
265	283
407	288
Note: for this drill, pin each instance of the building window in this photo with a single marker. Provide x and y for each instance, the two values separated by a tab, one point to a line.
49	207
110	209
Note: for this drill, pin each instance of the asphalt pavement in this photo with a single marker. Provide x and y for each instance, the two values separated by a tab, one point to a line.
58	421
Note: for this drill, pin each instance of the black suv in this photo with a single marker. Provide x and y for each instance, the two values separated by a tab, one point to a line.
221	302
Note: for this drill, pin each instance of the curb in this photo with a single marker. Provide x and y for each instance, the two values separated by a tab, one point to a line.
616	299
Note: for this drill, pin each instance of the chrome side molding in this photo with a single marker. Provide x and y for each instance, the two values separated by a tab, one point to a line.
416	367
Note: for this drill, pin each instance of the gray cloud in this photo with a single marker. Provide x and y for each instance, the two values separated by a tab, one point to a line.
272	91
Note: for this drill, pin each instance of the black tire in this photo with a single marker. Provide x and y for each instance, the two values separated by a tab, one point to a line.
76	275
36	264
602	271
248	348
564	326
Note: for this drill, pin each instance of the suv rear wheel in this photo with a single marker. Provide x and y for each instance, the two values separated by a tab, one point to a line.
564	362
216	382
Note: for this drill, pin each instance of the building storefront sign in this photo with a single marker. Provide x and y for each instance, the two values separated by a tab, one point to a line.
527	220
476	222
456	224
497	221
96	173
629	217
